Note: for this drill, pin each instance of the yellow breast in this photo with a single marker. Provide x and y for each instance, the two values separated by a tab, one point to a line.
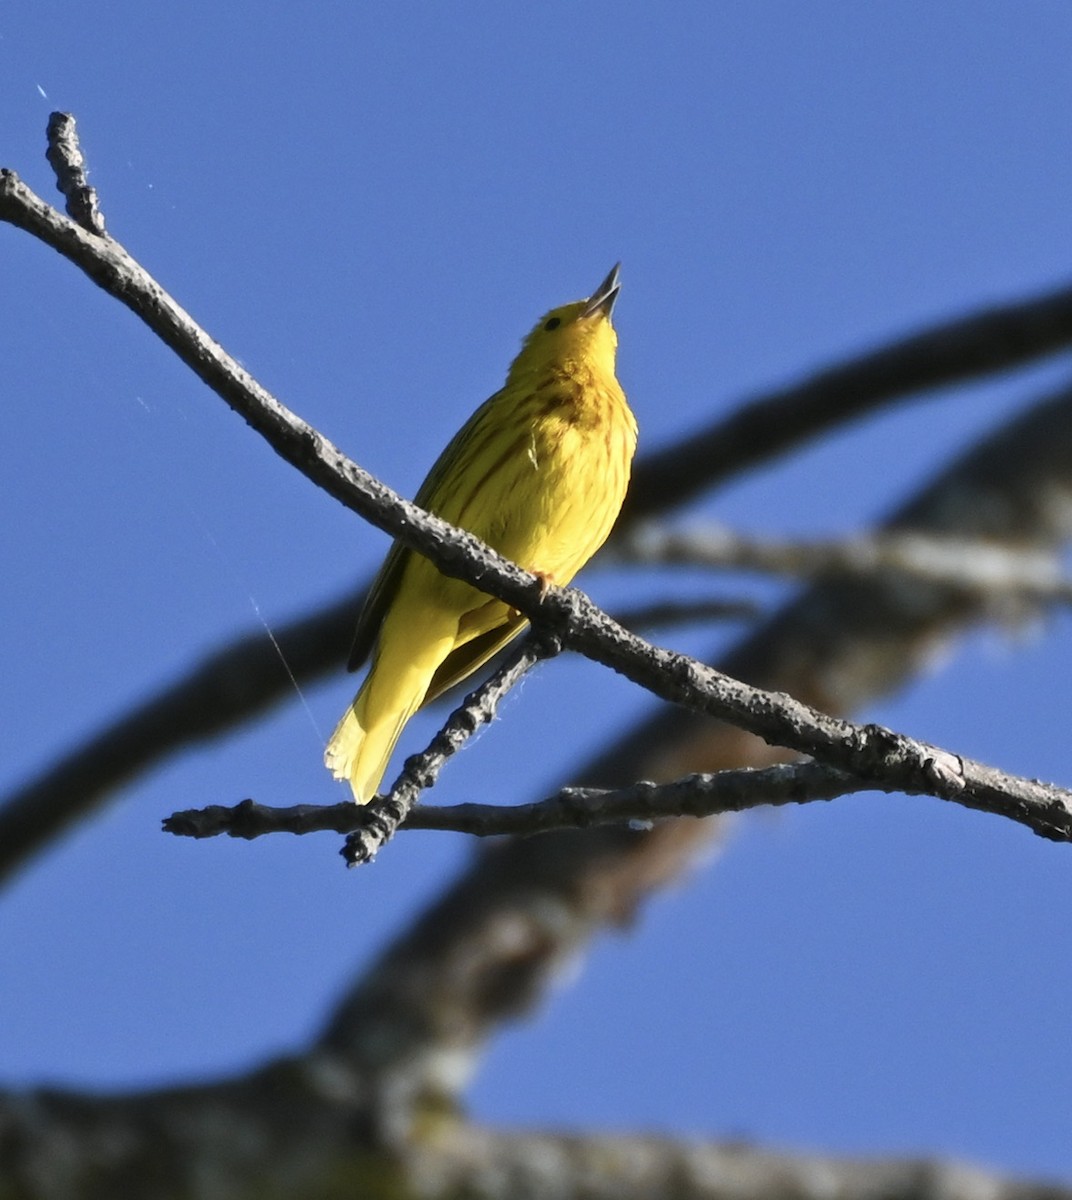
562	489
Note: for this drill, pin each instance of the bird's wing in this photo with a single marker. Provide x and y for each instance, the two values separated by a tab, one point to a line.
433	496
377	602
461	662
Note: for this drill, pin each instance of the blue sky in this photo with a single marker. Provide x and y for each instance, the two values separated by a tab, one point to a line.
369	206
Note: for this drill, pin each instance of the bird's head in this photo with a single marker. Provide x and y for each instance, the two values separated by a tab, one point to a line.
580	334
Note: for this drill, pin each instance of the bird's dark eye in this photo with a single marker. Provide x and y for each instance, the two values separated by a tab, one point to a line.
553	323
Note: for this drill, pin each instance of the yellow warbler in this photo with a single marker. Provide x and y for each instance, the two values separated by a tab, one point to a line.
539	472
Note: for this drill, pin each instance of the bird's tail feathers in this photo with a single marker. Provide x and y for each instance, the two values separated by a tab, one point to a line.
360	749
365	738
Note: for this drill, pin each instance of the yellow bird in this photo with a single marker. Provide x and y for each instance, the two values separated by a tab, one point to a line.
539	472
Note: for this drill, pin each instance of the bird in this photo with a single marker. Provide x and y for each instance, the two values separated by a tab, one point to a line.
539	472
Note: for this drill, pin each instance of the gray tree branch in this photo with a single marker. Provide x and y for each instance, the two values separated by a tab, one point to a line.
570	808
299	1130
65	158
244	678
869	752
548	1166
1044	809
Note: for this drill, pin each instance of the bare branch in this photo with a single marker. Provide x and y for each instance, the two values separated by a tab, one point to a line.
571	808
65	157
701	795
1041	807
642	804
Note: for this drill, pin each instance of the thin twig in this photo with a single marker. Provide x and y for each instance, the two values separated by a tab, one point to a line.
65	157
702	795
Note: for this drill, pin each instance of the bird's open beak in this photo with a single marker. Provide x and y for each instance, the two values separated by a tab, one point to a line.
602	299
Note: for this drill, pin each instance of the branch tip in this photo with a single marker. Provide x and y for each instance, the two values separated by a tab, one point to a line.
66	159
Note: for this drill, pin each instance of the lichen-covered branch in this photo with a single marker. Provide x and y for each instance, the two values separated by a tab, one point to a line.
300	1130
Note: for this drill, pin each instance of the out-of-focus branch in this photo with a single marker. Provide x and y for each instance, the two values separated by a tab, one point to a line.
663	614
981	343
299	1129
996	572
548	1166
234	684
